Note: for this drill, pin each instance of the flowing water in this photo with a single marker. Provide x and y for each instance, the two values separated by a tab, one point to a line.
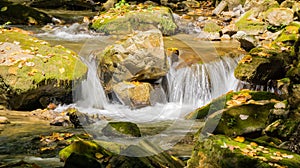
188	88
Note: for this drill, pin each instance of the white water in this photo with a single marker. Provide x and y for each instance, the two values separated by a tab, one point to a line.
198	84
189	88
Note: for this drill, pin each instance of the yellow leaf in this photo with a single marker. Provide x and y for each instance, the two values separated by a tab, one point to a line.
239	139
253	144
62	70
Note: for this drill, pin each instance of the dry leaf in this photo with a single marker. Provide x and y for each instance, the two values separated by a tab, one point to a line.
253	144
239	139
61	70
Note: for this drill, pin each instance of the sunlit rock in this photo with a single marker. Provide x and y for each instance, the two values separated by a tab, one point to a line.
125	20
219	151
279	16
33	73
138	58
4	120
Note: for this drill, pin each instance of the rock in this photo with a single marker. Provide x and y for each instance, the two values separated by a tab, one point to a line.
260	6
294	144
78	119
279	16
211	27
230	30
120	21
81	160
219	151
4	120
247	41
294	96
33	73
250	24
61	121
225	37
139	58
221	6
282	129
20	14
146	155
121	129
220	102
133	94
209	36
262	65
84	147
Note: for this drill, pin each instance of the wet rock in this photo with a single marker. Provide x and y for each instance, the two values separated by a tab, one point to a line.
262	65
121	129
279	16
247	41
219	151
61	121
81	160
294	96
4	120
139	58
78	119
34	74
86	148
120	21
20	14
220	103
210	36
133	94
294	145
282	129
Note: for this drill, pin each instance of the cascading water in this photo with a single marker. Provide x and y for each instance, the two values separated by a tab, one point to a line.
198	84
188	88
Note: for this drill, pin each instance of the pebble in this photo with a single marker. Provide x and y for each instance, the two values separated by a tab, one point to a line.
4	120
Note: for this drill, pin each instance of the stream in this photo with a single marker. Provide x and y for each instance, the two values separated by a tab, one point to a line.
162	124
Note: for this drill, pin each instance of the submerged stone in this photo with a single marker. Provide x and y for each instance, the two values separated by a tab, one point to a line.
121	129
33	73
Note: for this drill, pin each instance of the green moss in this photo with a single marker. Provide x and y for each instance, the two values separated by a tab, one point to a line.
212	27
245	24
220	103
121	129
124	21
219	151
84	147
50	63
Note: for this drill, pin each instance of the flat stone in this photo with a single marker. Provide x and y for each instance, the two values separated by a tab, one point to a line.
4	120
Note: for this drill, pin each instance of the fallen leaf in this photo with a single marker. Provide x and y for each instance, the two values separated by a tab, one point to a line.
243	117
239	139
253	144
30	64
62	70
287	156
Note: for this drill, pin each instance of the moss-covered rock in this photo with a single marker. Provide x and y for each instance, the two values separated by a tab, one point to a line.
91	154
137	58
263	65
121	129
251	26
20	14
33	73
125	20
222	152
221	103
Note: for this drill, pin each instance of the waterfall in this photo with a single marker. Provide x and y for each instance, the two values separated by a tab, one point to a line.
92	93
198	84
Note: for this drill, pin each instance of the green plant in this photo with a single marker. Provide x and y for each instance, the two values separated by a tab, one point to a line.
5	24
121	4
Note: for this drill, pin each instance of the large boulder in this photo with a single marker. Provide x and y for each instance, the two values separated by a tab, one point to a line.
279	16
237	113
126	20
219	151
20	14
138	58
33	73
